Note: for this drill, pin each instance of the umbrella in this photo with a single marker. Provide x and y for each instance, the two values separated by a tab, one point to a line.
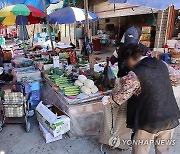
150	3
69	15
20	14
35	3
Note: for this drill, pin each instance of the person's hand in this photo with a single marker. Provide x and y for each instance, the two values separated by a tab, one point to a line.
110	64
105	99
110	100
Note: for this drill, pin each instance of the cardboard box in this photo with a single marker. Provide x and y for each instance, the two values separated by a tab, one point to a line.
7	55
47	135
147	43
146	37
53	119
148	29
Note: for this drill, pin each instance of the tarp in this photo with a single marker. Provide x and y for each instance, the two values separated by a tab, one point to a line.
35	3
150	3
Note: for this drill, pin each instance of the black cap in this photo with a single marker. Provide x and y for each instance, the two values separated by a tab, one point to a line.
132	35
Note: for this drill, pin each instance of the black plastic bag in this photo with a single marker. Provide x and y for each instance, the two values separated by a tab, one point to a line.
108	78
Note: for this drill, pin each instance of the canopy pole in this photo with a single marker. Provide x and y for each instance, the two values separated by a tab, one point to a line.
22	29
159	35
70	33
75	41
48	25
91	56
33	34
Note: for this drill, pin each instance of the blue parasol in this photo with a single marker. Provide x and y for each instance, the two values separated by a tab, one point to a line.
150	3
69	15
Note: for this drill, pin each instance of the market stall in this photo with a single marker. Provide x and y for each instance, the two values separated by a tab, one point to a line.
84	108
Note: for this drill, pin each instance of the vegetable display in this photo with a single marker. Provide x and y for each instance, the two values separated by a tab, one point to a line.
78	83
55	71
85	90
87	86
82	78
66	85
89	83
72	85
94	89
63	82
72	91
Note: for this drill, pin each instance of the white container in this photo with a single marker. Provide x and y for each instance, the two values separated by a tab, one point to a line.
47	66
45	56
56	61
61	66
171	43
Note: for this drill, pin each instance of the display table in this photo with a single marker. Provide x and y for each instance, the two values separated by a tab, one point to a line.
86	114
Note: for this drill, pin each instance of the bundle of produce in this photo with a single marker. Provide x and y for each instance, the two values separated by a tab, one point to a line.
81	64
64	55
24	46
71	91
55	71
53	77
63	82
87	86
73	76
48	61
21	62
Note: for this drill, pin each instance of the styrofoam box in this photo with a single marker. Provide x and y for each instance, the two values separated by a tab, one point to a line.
47	135
20	75
171	43
53	119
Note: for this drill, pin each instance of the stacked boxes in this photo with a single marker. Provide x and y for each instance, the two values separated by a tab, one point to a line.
148	36
53	120
47	135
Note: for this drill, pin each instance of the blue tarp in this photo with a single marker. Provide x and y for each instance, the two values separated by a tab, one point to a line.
158	4
35	3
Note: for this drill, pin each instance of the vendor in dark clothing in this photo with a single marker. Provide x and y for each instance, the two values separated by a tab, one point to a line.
1	57
153	111
132	35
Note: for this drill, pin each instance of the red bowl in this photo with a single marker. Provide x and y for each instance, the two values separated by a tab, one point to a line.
72	97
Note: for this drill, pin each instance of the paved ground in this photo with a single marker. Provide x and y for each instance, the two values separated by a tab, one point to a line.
14	140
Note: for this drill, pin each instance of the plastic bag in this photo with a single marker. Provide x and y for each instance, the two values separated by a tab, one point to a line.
108	77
